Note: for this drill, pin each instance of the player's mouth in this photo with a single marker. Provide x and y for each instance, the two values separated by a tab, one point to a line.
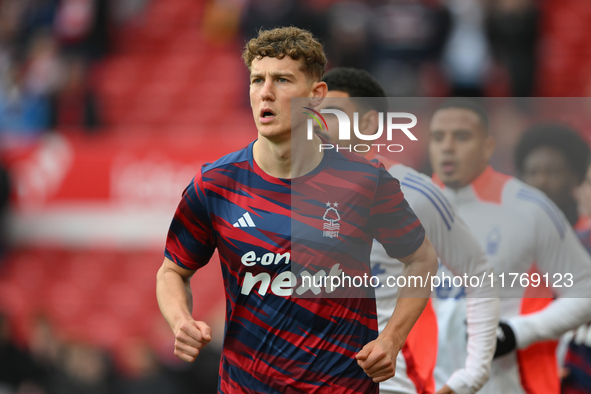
266	115
448	167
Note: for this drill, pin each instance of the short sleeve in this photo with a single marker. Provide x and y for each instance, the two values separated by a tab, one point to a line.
392	221
191	241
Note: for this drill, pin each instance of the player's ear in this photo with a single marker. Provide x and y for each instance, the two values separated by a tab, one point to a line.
319	92
368	124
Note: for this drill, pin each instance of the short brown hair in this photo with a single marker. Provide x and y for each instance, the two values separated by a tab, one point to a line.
291	41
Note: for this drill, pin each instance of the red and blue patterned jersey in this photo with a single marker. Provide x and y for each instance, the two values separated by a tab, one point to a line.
280	336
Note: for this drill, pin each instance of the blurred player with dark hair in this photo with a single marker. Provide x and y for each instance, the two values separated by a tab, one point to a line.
259	206
353	90
554	158
523	233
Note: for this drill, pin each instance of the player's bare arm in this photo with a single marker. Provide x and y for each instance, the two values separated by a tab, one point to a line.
378	357
175	300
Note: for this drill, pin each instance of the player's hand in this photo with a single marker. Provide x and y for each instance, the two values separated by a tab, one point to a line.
378	359
445	390
189	337
506	341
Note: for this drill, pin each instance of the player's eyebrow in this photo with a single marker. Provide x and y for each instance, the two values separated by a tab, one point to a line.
454	131
274	74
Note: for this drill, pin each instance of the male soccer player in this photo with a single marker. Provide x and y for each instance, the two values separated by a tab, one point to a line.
353	90
281	203
553	157
526	237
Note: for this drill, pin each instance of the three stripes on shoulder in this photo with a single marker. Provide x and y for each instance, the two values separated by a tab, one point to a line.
245	221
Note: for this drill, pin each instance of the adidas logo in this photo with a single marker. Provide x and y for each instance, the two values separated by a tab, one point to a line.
245	221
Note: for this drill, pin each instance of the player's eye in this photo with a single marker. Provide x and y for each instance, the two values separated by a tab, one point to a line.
463	136
282	80
437	137
256	81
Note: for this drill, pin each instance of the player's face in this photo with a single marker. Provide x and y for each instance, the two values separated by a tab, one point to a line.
459	147
273	82
335	99
546	168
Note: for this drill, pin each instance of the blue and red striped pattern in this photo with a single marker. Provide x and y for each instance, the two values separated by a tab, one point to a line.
276	339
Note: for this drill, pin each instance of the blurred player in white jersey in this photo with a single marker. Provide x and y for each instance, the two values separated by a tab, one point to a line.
553	157
353	90
524	235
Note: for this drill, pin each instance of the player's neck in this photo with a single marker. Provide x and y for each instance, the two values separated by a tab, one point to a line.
287	159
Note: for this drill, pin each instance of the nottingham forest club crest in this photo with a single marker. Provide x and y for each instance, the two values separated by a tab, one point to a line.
332	217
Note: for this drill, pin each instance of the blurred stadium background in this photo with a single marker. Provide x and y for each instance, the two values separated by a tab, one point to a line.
108	108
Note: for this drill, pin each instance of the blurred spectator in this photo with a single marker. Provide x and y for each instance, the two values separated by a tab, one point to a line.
347	34
83	369
45	349
43	67
405	35
16	366
143	373
11	16
512	28
26	87
466	54
35	16
39	89
22	111
75	104
82	27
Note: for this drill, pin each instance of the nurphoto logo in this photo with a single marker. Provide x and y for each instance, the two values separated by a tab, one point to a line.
392	124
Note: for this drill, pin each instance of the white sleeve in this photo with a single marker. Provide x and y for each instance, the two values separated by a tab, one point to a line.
558	253
461	253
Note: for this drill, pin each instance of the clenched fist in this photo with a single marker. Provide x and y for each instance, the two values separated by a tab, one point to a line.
378	359
189	337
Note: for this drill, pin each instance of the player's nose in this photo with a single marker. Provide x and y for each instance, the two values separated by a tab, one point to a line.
447	144
538	180
268	90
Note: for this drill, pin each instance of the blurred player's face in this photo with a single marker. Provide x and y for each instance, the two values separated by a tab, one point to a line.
459	147
336	99
546	168
273	82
